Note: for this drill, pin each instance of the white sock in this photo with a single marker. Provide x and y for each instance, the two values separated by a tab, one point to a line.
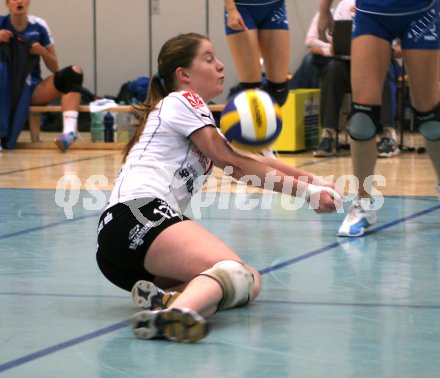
70	122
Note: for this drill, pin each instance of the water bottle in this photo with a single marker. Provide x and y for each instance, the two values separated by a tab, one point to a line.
97	127
109	132
124	125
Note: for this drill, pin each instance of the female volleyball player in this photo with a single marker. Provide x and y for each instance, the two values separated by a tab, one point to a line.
65	83
376	24
144	236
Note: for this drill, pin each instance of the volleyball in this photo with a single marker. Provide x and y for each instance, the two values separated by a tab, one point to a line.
251	120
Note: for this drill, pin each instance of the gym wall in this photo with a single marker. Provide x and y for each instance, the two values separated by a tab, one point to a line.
116	41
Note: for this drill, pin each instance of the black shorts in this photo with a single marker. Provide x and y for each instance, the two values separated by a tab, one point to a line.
125	232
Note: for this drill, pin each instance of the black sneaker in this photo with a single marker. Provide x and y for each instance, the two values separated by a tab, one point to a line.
387	147
326	148
174	324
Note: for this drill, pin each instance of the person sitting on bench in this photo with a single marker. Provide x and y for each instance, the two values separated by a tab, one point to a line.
34	33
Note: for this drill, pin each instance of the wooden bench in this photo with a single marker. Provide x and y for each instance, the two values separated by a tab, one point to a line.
35	113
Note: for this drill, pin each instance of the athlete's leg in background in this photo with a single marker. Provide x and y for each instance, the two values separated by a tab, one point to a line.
367	80
423	67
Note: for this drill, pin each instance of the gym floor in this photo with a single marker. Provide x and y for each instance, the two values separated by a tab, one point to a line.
329	307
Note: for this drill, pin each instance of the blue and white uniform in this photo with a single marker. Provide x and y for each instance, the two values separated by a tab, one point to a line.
415	22
261	15
37	30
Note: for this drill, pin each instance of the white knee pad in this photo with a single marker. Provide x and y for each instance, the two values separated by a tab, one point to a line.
236	281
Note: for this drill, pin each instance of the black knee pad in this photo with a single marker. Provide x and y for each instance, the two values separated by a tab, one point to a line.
428	123
364	122
68	80
279	91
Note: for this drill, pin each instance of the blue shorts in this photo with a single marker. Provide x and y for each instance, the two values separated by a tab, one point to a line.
34	83
416	30
271	16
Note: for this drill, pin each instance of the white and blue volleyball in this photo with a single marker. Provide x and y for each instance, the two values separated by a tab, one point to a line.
251	120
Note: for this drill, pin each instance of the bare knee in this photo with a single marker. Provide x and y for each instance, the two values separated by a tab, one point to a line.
77	69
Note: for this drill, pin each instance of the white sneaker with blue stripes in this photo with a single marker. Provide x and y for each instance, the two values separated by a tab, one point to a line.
64	141
360	216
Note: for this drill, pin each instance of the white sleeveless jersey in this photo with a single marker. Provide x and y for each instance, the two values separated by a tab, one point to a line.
164	163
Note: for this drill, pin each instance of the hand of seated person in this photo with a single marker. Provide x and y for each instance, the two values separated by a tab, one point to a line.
5	35
332	51
37	49
316	50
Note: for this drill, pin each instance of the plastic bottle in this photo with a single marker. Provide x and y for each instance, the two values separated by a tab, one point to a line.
124	124
109	131
97	127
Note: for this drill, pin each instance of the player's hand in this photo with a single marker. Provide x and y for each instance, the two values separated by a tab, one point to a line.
333	186
316	50
5	35
37	49
324	199
235	21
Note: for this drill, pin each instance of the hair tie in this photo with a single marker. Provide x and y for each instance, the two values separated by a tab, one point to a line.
162	82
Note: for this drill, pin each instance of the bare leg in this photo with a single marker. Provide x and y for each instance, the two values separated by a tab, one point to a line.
246	55
434	153
177	253
45	92
70	101
276	54
367	77
424	77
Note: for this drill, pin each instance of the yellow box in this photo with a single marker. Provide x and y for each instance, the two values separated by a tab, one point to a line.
300	121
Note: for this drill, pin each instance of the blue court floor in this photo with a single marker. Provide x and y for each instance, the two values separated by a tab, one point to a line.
329	307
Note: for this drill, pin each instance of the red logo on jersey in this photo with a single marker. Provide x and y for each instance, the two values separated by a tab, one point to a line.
194	99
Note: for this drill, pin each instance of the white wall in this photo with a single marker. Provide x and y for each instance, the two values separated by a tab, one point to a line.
116	41
122	43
